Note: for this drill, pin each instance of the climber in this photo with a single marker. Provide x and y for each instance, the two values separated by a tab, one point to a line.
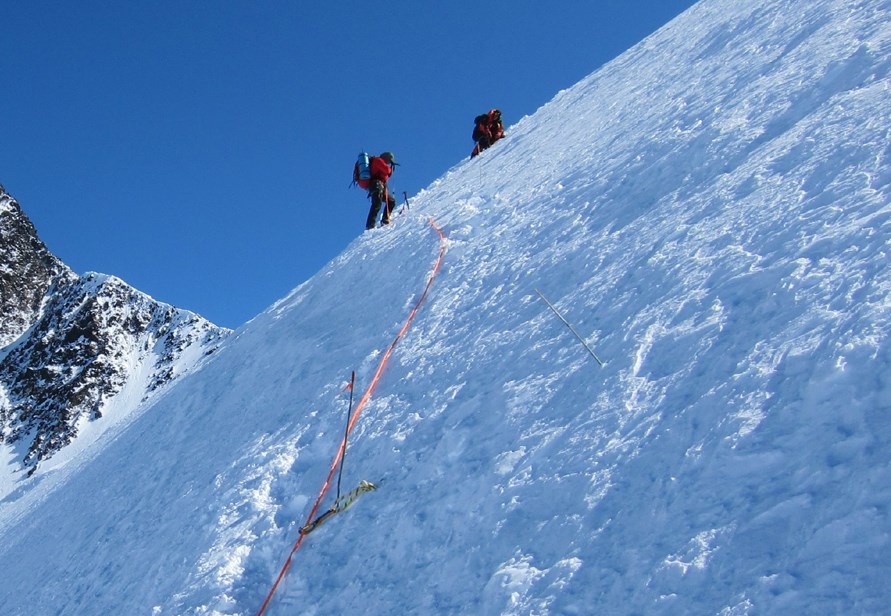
487	130
380	168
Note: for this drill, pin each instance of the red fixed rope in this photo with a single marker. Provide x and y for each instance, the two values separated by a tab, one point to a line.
362	401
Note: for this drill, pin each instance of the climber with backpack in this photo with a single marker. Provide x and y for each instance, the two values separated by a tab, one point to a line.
487	130
372	174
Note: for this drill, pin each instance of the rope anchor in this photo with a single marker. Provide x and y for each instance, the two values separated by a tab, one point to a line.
340	504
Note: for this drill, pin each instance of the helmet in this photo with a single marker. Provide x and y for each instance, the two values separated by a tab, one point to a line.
388	156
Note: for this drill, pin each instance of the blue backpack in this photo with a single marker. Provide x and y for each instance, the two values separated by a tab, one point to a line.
362	170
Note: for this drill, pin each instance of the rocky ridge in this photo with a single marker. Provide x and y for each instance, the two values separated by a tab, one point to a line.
70	345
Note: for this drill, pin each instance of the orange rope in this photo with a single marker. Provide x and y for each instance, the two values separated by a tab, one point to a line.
365	397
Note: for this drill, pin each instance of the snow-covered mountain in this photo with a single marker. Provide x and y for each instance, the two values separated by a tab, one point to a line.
75	348
711	212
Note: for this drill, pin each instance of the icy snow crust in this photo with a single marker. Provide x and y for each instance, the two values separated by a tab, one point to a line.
711	211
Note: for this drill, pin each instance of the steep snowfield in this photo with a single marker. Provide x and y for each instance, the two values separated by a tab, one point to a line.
711	212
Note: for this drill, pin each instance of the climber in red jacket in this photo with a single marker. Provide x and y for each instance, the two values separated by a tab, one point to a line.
487	130
382	168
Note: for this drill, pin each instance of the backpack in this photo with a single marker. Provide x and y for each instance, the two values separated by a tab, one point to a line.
362	170
479	126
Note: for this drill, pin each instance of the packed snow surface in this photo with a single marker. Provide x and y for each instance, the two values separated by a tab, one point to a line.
710	211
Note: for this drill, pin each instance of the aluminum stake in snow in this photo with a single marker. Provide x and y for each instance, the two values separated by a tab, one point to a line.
571	328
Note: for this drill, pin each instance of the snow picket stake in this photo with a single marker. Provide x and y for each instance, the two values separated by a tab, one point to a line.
571	328
311	520
346	433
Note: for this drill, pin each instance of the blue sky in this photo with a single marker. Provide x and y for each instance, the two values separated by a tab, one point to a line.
202	151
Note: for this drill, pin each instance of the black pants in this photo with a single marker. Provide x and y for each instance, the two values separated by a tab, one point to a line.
481	145
377	192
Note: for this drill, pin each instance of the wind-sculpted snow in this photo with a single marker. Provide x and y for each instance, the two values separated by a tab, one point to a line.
711	213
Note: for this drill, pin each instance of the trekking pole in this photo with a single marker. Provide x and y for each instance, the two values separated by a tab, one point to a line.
405	196
346	434
571	328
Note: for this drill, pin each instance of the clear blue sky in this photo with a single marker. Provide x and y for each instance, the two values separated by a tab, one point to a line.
202	151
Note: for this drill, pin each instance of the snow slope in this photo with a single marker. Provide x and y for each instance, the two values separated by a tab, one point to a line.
711	212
